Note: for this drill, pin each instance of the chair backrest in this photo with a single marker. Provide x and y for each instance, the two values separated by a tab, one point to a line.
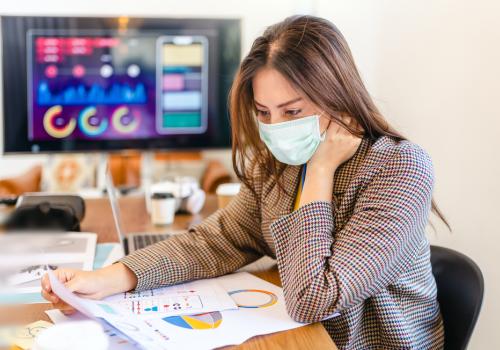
460	289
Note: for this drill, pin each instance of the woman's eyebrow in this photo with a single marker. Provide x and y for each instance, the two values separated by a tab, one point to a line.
281	104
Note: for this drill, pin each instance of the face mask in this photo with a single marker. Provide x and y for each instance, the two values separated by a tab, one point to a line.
292	142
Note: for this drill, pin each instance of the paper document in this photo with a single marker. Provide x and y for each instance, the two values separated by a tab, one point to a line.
182	299
117	341
261	310
120	319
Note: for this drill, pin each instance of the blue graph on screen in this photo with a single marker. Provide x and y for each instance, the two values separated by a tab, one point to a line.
81	95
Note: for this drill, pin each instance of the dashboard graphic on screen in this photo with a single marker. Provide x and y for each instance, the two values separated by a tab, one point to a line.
96	86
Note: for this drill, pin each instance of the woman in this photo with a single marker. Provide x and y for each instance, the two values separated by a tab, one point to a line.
330	190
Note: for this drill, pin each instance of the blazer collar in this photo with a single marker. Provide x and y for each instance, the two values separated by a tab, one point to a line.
346	172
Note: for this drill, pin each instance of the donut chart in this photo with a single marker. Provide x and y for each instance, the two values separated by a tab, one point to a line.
57	131
118	120
84	122
250	304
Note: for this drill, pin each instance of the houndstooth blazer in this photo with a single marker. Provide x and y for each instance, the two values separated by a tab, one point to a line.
365	255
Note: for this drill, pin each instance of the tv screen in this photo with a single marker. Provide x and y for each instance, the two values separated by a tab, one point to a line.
103	84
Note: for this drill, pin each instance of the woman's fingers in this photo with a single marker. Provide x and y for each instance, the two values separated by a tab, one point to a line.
68	312
65	275
78	282
65	308
74	284
47	290
62	275
49	296
46	283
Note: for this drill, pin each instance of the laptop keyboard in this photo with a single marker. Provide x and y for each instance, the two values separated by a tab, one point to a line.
141	241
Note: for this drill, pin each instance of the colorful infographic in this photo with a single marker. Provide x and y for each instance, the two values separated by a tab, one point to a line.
163	304
196	297
182	70
105	86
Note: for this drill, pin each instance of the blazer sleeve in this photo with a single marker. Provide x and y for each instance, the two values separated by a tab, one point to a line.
225	241
324	271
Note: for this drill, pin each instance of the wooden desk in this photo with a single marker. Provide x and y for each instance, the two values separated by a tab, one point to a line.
98	219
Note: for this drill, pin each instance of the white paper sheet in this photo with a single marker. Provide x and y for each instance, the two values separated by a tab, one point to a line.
182	299
116	340
262	311
121	319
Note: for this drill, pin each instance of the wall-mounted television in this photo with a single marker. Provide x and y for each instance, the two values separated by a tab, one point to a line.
74	84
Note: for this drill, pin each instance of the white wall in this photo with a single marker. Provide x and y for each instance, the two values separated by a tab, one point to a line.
433	67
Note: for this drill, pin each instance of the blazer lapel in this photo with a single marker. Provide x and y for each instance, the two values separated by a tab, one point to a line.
344	195
274	204
279	204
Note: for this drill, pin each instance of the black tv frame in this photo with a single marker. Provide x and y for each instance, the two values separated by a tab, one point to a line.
226	51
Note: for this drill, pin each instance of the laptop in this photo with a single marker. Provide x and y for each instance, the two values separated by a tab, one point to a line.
131	241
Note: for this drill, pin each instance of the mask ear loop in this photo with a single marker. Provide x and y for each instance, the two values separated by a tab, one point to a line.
323	134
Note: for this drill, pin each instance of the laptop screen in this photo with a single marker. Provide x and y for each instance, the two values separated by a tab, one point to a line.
115	208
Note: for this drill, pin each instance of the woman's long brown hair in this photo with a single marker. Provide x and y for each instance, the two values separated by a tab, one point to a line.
313	55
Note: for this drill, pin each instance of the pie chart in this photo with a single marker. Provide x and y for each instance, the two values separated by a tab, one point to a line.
207	320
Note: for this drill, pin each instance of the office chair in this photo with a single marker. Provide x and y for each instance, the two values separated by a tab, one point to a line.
460	288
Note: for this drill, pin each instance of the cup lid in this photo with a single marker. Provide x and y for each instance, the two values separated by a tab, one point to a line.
162	195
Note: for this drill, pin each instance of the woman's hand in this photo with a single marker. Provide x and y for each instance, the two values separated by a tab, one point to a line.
97	284
338	147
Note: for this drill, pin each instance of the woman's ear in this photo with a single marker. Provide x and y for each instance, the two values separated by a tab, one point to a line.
351	123
324	123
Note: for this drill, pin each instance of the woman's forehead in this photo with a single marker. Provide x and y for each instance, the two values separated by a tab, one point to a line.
271	88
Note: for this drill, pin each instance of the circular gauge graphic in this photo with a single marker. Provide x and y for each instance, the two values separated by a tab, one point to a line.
123	121
253	298
52	121
86	125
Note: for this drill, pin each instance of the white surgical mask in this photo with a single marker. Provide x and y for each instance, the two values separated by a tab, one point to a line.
293	142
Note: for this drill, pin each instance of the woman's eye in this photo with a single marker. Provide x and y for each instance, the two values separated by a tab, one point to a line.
262	113
294	112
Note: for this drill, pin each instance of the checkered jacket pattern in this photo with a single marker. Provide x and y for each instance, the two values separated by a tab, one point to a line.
365	255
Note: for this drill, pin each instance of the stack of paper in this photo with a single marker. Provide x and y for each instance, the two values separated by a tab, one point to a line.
261	310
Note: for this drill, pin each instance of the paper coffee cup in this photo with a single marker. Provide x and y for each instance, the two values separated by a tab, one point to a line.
163	207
